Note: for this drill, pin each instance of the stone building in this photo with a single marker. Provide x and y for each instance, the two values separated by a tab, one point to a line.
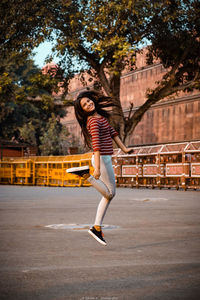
170	120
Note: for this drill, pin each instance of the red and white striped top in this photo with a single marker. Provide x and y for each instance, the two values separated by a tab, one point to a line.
101	135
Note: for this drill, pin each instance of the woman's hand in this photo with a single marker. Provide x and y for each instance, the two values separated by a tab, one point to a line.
96	173
128	151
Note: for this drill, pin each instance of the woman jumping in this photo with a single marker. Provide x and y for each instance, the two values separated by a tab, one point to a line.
98	134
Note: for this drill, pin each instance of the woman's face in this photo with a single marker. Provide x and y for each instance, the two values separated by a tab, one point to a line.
87	104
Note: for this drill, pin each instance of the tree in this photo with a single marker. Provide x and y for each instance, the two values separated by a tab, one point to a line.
26	104
104	36
174	33
97	33
22	25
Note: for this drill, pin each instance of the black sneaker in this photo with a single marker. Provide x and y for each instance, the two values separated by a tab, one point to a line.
98	235
80	171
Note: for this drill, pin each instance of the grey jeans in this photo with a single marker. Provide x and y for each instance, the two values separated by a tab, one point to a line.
105	185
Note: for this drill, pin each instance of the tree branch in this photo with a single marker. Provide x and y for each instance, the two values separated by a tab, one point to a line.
103	79
154	97
91	58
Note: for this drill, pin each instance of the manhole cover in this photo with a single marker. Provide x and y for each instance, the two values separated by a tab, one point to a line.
78	226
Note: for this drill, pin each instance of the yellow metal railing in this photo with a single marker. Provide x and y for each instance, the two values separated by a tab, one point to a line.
169	165
44	170
6	172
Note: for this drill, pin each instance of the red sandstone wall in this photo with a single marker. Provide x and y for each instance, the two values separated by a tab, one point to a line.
12	153
172	122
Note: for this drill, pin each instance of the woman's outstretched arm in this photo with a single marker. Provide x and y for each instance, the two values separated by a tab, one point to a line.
121	145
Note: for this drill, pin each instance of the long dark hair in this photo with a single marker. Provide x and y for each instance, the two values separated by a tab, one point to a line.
100	101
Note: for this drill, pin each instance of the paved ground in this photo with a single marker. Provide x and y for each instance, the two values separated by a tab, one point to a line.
152	254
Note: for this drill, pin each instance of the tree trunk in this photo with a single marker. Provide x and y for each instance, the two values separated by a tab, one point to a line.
112	88
117	111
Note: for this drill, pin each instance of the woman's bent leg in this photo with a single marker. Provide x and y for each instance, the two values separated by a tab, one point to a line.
100	186
107	184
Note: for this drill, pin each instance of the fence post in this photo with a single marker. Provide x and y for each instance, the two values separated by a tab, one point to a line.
12	173
183	177
158	171
137	175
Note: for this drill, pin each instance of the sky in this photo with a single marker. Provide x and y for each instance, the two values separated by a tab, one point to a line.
41	53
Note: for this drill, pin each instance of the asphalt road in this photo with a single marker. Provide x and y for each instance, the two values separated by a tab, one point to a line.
153	250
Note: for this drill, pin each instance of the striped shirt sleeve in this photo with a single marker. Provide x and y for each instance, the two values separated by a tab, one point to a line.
113	132
95	134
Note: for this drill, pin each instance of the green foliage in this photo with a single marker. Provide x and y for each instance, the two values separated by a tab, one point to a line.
53	138
28	131
27	105
23	24
174	32
98	32
5	84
